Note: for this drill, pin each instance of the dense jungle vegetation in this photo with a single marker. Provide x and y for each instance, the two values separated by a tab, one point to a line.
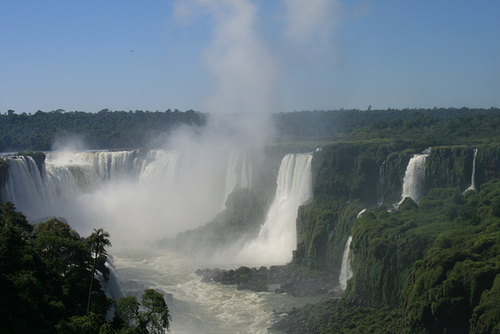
48	282
108	129
426	267
102	130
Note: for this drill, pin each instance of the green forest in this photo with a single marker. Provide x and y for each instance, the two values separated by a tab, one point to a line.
109	129
102	130
427	268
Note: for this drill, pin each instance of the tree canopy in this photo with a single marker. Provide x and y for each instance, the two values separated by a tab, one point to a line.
109	129
44	281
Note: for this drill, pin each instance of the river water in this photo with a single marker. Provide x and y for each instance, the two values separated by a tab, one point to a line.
199	307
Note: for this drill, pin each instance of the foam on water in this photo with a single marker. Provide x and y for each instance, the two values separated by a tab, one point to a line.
199	307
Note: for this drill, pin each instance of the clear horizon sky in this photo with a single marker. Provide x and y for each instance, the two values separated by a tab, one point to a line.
273	55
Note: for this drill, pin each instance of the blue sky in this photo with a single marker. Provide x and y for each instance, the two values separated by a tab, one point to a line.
278	55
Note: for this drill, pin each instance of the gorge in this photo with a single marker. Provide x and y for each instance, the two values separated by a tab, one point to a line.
170	212
115	184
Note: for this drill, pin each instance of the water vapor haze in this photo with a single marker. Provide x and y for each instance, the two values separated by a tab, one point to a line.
239	107
244	70
311	21
143	196
250	69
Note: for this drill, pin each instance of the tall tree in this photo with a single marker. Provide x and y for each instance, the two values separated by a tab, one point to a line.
97	241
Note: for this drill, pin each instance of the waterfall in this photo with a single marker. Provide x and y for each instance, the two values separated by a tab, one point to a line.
345	269
277	237
64	176
143	194
112	287
413	182
108	165
158	162
473	176
238	172
24	184
361	213
137	195
381	184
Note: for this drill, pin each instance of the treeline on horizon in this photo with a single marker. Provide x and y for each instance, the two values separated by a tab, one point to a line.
109	129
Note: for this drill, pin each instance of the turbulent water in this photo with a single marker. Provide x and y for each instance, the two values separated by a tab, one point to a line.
142	196
199	307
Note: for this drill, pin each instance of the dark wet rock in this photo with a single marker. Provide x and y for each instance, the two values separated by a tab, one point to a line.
282	279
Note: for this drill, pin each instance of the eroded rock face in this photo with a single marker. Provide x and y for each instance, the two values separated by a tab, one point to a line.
280	279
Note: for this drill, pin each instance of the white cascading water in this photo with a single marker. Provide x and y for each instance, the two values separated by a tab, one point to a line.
361	213
129	193
414	179
238	173
473	176
140	197
113	287
381	184
345	269
25	186
277	237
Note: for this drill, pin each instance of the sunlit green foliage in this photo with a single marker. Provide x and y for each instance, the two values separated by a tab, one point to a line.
449	288
102	130
108	129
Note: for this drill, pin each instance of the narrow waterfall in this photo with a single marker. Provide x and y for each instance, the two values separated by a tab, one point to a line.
238	172
112	287
361	213
473	176
414	179
277	237
381	184
345	269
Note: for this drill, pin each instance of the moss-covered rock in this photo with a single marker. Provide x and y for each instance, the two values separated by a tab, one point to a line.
449	167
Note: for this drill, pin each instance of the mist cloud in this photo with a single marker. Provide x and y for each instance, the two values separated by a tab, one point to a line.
244	70
311	21
251	67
